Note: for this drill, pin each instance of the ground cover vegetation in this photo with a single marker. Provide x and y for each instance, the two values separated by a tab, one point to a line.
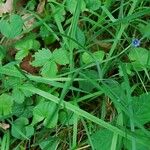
74	75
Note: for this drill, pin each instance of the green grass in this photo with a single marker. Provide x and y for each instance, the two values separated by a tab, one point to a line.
73	77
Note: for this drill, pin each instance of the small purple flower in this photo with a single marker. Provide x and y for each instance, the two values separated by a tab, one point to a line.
136	42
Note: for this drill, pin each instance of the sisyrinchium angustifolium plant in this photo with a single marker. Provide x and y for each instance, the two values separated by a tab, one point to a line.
75	75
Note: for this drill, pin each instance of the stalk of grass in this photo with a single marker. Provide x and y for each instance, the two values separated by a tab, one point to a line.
5	141
75	131
88	134
119	102
129	98
84	114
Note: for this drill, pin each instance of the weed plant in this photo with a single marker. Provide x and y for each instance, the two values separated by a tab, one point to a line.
75	75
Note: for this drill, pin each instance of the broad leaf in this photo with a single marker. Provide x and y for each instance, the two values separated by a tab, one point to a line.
128	69
44	32
20	128
141	108
86	85
49	69
18	96
102	139
71	5
6	104
128	144
26	92
49	144
27	44
66	117
59	12
24	46
45	111
42	57
12	28
145	30
98	56
93	4
61	57
21	54
140	57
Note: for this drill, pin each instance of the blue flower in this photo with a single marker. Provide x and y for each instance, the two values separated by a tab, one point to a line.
136	42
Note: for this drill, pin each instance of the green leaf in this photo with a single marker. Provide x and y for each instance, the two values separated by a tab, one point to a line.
86	85
25	92
42	57
140	56
18	95
49	69
145	30
12	28
49	144
27	44
128	143
66	117
128	69
93	4
2	53
11	82
6	104
47	36
71	5
87	58
60	56
24	46
59	12
102	138
20	128
141	107
21	54
44	32
45	111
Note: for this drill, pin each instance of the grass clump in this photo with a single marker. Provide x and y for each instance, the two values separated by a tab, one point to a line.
75	75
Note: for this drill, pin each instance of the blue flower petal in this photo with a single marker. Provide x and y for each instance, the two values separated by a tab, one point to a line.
136	42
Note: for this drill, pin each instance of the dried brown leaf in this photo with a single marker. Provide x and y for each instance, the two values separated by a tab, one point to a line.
4	126
7	7
40	7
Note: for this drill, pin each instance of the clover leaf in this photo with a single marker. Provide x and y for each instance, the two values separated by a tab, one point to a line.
24	46
21	128
13	27
48	61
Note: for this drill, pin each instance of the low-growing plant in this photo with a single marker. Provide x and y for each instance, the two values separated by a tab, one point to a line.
75	75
